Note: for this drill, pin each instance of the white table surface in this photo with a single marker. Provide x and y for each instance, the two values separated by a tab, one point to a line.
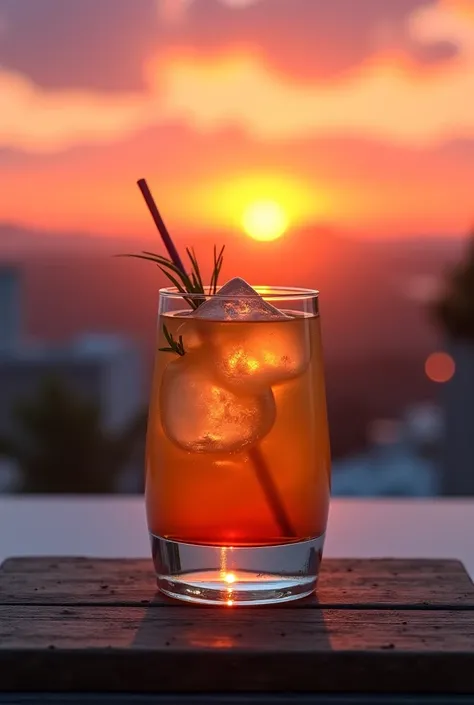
115	527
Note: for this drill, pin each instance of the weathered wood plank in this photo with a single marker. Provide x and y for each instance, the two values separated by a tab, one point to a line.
39	627
182	650
229	699
361	583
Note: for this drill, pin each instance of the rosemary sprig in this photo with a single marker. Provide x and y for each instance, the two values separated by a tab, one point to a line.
218	260
175	346
177	277
196	273
185	283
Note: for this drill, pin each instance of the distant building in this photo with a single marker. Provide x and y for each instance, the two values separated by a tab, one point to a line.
106	369
396	463
457	398
8	475
10	308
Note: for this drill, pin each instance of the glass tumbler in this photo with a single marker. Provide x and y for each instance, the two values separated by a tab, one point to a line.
238	458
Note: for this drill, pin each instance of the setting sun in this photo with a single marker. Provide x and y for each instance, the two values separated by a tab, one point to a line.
264	220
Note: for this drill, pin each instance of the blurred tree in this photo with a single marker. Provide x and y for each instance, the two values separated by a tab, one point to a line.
454	310
454	313
60	445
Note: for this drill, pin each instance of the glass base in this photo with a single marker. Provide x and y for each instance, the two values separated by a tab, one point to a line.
229	575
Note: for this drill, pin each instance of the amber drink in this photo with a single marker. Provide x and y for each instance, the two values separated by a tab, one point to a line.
238	461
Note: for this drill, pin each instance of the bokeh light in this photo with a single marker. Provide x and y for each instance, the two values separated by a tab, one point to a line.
440	367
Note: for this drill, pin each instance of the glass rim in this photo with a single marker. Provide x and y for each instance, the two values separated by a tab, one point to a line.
267	292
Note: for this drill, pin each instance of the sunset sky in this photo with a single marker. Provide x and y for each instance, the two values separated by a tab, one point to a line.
353	113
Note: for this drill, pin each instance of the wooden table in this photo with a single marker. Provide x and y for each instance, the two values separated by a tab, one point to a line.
378	631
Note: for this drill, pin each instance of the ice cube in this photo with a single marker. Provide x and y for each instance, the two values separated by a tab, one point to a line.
200	415
258	355
270	347
237	300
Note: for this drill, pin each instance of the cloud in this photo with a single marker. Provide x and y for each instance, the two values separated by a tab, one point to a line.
308	39
103	45
83	44
382	97
37	120
379	101
449	21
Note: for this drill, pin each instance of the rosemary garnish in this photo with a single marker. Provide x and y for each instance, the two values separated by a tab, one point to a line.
218	260
175	346
186	284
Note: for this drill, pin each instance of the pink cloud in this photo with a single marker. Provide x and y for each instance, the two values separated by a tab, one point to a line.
103	44
308	39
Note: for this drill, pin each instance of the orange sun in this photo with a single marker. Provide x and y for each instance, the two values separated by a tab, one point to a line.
264	220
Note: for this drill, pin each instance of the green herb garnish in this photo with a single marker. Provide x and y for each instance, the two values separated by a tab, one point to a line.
175	346
186	284
218	260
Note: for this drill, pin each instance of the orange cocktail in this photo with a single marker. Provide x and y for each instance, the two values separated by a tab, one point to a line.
238	461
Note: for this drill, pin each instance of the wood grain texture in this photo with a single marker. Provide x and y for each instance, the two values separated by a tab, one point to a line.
89	625
187	650
351	583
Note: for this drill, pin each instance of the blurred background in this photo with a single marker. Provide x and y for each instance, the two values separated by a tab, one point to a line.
326	144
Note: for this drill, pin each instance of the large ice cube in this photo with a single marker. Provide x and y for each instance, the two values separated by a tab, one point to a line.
259	346
237	300
258	355
200	415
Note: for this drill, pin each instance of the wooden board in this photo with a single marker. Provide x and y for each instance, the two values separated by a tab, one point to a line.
209	650
195	650
354	583
97	626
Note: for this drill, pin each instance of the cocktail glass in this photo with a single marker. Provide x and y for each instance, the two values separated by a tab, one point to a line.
238	459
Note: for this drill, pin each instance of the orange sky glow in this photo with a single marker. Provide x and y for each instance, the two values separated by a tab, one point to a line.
378	140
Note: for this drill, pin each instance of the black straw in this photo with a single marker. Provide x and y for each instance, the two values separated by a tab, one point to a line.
270	491
162	229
